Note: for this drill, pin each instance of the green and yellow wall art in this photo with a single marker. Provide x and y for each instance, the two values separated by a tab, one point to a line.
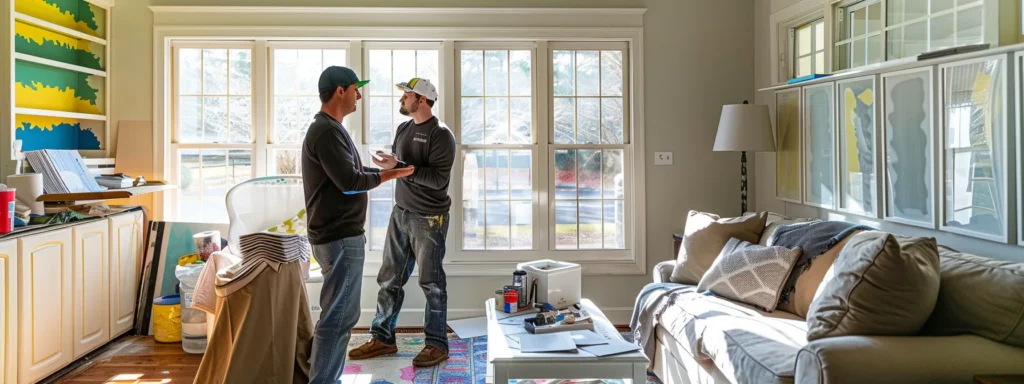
43	90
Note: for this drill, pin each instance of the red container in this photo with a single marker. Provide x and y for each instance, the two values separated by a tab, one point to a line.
6	210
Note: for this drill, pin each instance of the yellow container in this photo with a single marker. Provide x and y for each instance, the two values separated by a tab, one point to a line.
167	319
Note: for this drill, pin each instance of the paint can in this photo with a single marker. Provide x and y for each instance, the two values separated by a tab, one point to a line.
511	299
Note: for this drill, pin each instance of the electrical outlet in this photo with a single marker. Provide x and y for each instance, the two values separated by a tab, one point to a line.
662	158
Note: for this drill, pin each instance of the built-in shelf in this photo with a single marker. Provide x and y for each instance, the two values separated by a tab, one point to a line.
59	64
56	28
69	115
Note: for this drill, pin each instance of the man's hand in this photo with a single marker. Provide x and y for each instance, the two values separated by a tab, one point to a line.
387	161
390	174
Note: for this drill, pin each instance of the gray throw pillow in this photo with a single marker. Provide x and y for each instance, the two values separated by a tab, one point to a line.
880	284
750	273
981	296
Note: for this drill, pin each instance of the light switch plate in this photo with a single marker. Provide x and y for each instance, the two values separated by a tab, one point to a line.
662	158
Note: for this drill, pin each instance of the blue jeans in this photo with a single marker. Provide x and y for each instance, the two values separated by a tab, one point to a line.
413	238
342	265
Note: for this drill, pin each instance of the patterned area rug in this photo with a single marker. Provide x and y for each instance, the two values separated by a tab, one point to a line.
467	363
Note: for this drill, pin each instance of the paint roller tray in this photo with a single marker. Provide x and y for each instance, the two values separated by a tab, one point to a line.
122	193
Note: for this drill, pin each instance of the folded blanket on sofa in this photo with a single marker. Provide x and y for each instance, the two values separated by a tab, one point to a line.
652	301
814	238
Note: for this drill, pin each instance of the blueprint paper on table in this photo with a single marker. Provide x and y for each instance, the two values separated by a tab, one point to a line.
614	347
547	342
586	338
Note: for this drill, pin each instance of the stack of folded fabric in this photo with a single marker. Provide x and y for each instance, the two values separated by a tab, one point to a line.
263	248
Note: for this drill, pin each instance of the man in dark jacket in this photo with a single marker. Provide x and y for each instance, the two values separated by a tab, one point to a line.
335	181
418	227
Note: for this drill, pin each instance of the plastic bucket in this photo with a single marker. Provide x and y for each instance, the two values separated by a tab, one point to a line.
167	319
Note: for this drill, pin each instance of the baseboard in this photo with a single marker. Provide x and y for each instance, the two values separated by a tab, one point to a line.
413	317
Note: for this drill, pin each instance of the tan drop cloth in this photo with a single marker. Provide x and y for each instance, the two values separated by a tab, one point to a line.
263	330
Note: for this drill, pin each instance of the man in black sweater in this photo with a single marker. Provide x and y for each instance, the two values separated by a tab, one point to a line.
418	227
334	181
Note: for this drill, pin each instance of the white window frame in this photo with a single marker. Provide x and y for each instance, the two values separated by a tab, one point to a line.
794	44
785	36
267	142
843	21
363	111
627	155
176	145
457	226
623	26
987	8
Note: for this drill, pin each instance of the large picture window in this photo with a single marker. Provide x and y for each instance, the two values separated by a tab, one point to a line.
544	166
387	65
590	147
212	127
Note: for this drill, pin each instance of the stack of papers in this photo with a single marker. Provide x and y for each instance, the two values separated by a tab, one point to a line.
63	171
275	246
268	248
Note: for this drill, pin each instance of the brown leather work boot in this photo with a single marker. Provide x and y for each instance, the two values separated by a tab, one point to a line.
372	348
429	357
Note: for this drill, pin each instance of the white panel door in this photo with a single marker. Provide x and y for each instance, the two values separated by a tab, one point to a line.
125	248
91	275
46	300
9	311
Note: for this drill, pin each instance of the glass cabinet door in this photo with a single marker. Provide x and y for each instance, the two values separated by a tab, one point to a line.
857	169
788	152
820	146
908	138
975	147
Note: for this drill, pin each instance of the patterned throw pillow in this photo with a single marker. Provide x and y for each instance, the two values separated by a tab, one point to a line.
750	273
295	225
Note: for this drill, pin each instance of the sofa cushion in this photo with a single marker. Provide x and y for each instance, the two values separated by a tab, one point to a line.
755	349
981	296
692	312
807	284
750	273
905	360
880	284
704	237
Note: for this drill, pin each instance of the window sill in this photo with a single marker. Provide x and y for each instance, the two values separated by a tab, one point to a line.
505	268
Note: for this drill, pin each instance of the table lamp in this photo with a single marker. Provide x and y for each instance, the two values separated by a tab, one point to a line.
744	127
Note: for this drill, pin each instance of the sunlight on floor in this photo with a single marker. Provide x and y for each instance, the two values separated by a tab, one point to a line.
359	378
135	378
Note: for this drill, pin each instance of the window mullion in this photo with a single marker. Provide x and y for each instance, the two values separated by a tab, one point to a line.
542	131
261	102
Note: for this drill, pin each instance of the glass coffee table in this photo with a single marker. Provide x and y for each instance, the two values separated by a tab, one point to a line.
505	363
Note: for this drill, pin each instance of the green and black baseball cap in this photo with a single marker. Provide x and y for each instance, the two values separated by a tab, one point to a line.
338	76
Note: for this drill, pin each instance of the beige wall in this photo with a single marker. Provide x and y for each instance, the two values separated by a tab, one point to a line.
765	15
698	56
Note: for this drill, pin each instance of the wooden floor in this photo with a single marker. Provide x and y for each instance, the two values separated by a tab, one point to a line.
151	361
136	355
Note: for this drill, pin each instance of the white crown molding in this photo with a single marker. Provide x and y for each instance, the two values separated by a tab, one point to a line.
398	10
329	17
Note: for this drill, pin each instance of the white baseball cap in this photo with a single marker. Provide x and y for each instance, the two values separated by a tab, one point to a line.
420	86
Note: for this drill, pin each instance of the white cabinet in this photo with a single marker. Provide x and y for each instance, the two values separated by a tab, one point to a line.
46	315
9	311
91	283
125	250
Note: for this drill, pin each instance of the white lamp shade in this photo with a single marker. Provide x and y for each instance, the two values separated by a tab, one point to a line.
745	127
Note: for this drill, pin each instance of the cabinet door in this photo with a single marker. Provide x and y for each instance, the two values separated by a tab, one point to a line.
46	302
125	248
92	325
9	311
